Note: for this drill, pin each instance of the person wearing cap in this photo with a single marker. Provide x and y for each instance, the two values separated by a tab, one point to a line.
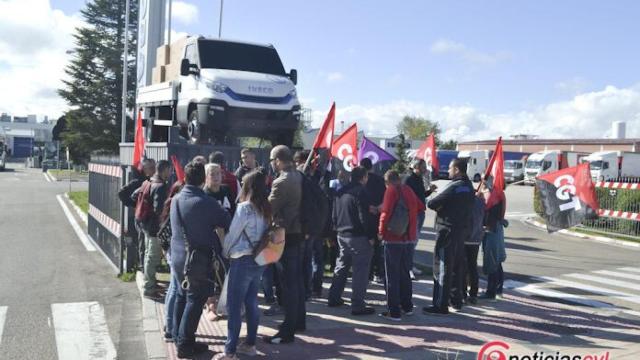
416	181
286	200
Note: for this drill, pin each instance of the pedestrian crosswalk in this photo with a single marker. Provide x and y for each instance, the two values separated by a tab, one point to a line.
80	331
613	289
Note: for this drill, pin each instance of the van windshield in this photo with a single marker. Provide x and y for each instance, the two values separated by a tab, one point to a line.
241	57
534	164
512	165
595	165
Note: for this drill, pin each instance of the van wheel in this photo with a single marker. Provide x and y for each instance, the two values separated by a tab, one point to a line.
196	132
476	178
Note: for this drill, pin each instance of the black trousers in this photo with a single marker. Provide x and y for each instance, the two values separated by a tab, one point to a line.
292	283
458	264
442	274
471	269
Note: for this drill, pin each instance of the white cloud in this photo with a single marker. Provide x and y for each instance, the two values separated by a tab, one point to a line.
445	46
184	12
335	77
33	53
573	86
587	115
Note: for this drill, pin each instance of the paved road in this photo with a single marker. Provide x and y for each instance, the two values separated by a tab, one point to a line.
57	300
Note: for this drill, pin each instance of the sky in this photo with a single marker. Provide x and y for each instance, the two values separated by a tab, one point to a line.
480	68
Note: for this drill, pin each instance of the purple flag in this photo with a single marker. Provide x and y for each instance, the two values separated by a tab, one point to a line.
372	151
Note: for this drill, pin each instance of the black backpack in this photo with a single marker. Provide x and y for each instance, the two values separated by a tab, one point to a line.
314	209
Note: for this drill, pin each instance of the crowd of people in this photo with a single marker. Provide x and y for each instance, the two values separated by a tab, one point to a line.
217	218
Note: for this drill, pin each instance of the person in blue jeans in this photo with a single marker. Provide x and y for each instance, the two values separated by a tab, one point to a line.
251	220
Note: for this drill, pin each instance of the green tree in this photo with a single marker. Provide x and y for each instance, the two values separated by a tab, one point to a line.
94	88
417	128
401	155
449	145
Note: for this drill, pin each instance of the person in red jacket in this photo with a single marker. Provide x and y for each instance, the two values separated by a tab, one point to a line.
398	244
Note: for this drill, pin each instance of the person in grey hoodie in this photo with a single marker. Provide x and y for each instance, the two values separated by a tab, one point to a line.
251	220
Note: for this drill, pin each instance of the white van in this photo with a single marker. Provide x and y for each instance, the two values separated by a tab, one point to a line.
477	161
610	165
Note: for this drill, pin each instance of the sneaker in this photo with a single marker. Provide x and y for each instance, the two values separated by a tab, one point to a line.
278	339
364	311
416	271
455	308
387	315
378	280
408	312
273	310
412	275
225	356
488	298
432	310
499	296
168	338
336	304
246	349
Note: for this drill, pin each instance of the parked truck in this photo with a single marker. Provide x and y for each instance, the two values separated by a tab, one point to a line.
444	158
513	170
612	165
548	161
216	91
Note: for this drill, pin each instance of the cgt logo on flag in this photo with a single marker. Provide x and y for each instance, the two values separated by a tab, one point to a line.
567	196
344	148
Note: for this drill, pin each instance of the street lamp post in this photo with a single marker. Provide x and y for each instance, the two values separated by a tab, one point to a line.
125	73
220	24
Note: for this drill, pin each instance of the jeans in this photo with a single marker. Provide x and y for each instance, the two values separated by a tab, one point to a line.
377	262
397	261
152	255
495	282
471	269
458	264
442	271
186	314
307	265
419	224
169	304
292	284
267	283
244	282
356	252
317	270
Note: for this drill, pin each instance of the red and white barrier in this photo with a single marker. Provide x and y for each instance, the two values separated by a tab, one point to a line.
109	170
112	225
619	214
617	185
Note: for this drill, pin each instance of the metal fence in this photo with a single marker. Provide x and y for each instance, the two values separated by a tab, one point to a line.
104	217
619	209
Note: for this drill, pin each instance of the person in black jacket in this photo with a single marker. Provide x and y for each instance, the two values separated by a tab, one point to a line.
157	195
375	188
453	225
353	222
134	235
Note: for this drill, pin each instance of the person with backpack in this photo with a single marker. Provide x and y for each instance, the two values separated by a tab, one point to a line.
353	222
453	207
150	201
195	219
251	221
397	231
286	199
416	181
125	194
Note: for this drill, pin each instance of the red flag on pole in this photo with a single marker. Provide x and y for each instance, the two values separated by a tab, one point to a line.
324	139
427	152
138	145
345	147
494	176
178	168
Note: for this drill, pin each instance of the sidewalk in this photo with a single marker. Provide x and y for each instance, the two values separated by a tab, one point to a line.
525	323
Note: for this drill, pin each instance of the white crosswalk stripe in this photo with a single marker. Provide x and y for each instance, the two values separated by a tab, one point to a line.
596	290
637	270
81	331
606	281
3	317
619	274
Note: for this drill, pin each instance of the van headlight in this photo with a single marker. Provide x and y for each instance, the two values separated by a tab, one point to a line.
217	86
293	93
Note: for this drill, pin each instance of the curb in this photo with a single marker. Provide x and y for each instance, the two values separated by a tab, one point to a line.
600	239
153	342
80	213
52	177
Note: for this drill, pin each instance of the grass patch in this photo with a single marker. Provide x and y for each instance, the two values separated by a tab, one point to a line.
81	199
127	277
606	234
63	174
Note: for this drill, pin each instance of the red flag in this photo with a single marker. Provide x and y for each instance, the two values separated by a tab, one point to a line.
427	152
345	147
324	139
178	168
568	196
494	176
138	145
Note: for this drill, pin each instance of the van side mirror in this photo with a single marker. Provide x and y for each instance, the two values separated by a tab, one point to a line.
293	75
184	67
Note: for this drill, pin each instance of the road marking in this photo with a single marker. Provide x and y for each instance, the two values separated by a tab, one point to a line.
46	177
74	224
630	269
3	317
81	331
619	274
535	290
606	281
596	290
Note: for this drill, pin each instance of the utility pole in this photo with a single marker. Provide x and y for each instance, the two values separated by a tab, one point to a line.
220	24
169	24
125	73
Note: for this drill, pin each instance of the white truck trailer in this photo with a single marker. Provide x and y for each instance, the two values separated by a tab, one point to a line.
477	162
612	165
216	91
548	161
